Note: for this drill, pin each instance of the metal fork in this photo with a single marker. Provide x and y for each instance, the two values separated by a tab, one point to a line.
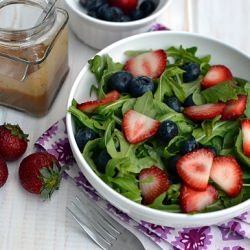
107	233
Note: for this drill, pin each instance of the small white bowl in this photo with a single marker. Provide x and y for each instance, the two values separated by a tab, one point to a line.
98	33
221	53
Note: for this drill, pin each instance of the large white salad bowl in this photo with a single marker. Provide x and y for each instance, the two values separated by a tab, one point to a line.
221	53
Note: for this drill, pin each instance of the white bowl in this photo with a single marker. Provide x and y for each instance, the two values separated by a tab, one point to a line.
221	54
98	33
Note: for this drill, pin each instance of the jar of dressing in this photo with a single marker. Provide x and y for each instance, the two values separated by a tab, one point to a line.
33	54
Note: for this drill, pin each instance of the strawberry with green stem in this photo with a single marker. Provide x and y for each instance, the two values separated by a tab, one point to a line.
40	173
13	142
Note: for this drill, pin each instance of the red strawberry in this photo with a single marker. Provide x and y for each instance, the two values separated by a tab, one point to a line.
3	171
13	142
227	173
40	173
216	75
126	5
245	127
194	168
138	127
153	182
204	111
90	106
234	108
151	64
192	200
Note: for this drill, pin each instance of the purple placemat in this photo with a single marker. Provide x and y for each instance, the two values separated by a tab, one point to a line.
233	234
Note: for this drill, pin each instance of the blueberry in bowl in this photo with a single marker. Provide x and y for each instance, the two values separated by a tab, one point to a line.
118	10
98	23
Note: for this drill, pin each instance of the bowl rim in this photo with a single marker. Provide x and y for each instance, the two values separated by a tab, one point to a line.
130	24
184	218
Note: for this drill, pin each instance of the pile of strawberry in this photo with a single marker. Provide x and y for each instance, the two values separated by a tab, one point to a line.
203	174
39	173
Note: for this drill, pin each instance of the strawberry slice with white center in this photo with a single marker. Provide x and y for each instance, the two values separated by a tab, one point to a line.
193	201
216	75
234	108
204	111
90	106
227	174
194	168
245	127
138	127
150	64
153	182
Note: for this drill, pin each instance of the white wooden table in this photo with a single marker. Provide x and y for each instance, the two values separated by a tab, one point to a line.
27	222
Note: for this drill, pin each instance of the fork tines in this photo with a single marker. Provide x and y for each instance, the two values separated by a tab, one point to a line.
94	221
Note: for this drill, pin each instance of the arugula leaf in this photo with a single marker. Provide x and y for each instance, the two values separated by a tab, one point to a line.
171	198
191	87
182	56
247	89
127	187
220	92
83	118
170	84
173	146
213	128
103	67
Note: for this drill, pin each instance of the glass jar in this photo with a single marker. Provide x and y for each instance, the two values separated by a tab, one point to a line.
33	54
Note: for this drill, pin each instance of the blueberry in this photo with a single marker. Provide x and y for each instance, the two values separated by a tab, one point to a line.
83	135
171	164
188	101
101	159
171	168
92	13
192	72
119	81
137	14
117	14
189	145
140	85
167	131
173	103
107	13
147	7
92	5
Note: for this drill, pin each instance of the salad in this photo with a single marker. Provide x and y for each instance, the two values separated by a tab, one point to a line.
168	130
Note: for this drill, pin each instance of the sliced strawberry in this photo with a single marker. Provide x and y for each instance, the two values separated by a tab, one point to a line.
234	108
192	200
227	174
153	182
90	106
151	64
245	127
194	168
138	127
216	75
204	111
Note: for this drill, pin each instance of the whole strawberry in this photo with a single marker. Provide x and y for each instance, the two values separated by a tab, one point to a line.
3	171
40	173
13	142
126	5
